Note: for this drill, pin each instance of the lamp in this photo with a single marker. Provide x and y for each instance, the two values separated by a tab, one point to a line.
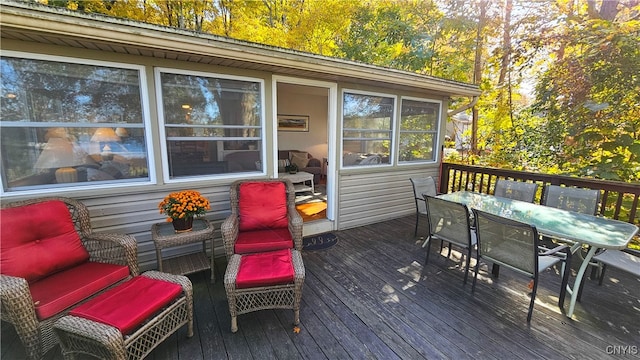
105	136
60	153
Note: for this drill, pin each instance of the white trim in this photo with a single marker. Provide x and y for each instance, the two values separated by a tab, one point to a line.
162	126
146	125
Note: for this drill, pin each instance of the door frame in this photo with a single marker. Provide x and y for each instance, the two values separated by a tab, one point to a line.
329	223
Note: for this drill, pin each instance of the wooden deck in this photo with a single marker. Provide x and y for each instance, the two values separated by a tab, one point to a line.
370	297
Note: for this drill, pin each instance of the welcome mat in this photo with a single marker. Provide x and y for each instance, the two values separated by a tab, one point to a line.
319	241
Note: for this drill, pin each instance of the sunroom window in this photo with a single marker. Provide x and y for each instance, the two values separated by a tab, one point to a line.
212	123
419	121
367	128
67	124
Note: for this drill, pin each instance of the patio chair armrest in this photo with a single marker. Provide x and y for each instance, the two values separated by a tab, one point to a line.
295	227
121	249
229	230
17	304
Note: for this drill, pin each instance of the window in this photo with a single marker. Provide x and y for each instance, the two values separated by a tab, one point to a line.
212	124
66	124
367	128
419	121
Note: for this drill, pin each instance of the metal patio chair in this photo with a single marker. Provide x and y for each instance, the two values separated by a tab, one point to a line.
514	245
516	190
422	186
449	222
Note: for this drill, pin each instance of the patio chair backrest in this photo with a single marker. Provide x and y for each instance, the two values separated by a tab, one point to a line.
574	199
507	242
449	221
516	190
421	186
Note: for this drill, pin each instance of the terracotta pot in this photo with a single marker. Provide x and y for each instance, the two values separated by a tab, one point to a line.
183	225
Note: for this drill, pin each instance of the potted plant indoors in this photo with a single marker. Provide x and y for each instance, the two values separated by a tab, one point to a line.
291	168
182	206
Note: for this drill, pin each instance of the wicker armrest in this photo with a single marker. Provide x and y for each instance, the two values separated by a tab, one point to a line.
229	229
121	249
295	227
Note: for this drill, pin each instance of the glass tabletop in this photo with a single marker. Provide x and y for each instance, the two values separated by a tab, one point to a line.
587	229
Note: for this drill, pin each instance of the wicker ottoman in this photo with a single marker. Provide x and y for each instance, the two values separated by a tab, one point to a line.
269	280
79	335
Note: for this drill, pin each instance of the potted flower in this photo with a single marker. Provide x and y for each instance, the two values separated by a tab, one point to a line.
291	168
182	206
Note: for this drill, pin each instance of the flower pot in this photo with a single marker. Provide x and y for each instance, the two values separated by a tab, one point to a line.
182	225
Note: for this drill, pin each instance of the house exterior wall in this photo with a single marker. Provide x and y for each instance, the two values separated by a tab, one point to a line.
364	196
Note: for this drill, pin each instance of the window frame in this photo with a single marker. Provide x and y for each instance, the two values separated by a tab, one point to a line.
162	126
392	131
145	125
436	132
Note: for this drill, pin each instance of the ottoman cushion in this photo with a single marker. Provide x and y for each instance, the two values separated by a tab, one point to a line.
128	305
265	269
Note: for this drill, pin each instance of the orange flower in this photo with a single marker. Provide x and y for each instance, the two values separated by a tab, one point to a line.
181	204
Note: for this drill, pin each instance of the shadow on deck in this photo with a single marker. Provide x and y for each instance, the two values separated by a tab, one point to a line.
371	297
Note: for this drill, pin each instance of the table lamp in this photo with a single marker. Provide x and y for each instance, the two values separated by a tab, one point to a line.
103	136
60	153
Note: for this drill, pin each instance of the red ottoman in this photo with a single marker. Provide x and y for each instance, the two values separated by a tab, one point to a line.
268	280
130	320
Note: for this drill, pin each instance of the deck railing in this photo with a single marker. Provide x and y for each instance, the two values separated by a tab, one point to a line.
618	200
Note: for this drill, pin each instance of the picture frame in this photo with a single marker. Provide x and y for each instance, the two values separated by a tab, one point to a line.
296	123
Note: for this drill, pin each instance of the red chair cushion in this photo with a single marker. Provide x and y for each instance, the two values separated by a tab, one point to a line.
39	240
59	291
263	240
262	205
265	269
127	305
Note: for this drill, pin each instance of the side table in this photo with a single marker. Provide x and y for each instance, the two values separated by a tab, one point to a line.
164	236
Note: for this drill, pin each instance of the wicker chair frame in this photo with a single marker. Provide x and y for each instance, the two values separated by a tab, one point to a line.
230	226
83	336
286	296
17	305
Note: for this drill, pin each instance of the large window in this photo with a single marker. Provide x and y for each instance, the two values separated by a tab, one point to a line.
419	121
66	124
212	124
367	129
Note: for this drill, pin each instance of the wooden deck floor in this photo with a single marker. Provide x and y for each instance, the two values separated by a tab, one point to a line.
370	297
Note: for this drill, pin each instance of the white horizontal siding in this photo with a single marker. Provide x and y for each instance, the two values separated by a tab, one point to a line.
134	215
368	198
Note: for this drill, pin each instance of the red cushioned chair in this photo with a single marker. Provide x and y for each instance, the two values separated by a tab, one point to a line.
263	217
50	261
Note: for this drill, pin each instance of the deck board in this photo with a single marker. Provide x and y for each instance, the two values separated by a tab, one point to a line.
371	297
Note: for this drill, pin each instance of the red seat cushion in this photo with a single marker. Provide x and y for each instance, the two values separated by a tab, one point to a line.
39	240
127	305
262	205
59	291
263	240
265	269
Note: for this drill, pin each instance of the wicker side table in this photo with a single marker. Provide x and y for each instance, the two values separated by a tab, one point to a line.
79	335
164	236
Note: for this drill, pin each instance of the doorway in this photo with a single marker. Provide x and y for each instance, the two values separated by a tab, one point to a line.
305	113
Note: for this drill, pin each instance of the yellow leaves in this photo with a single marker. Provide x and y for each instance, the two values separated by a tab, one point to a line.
296	329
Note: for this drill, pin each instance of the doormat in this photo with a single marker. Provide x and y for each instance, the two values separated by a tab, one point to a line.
319	241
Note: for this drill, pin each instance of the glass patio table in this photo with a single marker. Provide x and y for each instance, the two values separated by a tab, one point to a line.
579	229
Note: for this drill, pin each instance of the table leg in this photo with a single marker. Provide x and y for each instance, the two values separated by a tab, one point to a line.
576	285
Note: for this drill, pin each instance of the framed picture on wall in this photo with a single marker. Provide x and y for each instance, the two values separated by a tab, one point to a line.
293	123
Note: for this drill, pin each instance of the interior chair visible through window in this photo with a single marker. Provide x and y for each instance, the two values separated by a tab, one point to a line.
449	222
514	245
516	190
